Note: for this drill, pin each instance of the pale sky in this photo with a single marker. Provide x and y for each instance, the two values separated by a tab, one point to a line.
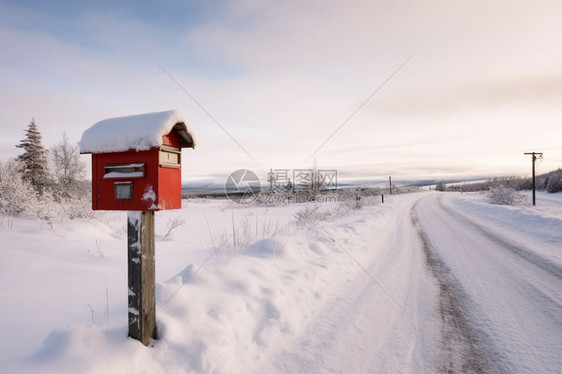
483	84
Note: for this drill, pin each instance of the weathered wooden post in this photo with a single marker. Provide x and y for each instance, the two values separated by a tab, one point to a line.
136	166
141	279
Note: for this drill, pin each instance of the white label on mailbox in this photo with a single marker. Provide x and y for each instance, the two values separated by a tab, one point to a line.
123	191
170	157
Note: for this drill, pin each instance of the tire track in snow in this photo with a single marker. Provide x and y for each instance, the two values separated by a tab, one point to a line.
513	301
533	258
463	347
544	302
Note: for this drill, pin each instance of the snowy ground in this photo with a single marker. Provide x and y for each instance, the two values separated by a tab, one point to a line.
427	282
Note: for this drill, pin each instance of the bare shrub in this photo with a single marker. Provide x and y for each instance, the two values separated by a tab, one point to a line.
243	234
504	196
311	214
171	225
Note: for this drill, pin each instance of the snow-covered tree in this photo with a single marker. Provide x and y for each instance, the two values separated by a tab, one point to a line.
555	182
68	168
34	159
440	186
16	194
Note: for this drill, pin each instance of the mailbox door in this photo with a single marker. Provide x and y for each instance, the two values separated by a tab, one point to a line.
169	172
169	181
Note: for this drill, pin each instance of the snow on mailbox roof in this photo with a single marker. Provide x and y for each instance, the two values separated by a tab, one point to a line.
140	132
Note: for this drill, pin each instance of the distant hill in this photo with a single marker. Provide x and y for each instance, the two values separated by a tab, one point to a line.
551	182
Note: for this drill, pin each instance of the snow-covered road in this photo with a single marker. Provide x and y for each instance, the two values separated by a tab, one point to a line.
507	290
445	292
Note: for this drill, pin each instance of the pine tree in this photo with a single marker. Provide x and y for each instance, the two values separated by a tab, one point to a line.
34	159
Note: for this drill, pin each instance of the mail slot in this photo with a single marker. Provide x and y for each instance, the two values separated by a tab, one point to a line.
124	171
136	161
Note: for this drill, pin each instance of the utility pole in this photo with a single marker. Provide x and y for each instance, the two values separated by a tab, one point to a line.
390	181
534	158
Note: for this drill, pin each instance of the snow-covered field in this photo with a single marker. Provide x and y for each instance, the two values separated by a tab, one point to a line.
427	282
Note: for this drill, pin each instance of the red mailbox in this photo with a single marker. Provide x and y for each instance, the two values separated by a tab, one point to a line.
136	161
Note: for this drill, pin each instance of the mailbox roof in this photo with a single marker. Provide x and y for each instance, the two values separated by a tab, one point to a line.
140	132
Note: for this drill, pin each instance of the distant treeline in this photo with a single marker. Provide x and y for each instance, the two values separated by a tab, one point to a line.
342	194
550	182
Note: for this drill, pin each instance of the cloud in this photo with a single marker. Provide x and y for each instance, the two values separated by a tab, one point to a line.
539	88
281	77
295	36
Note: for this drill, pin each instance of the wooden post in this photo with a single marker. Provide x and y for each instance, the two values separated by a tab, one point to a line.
142	300
382	198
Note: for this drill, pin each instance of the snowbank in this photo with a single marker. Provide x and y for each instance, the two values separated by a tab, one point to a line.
538	228
240	289
221	307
